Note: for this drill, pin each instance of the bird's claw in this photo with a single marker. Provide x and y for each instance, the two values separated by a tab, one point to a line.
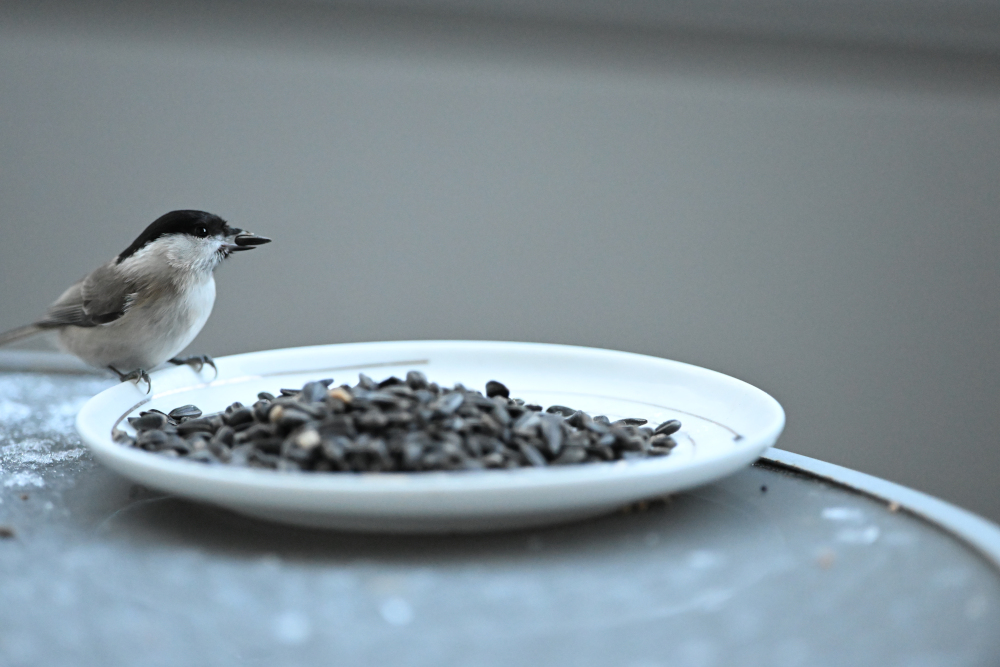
197	362
137	375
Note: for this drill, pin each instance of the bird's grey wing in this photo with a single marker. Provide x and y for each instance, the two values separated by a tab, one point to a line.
100	298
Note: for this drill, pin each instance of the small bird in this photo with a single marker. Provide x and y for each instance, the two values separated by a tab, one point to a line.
147	304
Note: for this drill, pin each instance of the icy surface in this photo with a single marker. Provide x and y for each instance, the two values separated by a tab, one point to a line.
36	424
100	571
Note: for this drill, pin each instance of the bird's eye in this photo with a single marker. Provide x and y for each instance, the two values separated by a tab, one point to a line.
202	232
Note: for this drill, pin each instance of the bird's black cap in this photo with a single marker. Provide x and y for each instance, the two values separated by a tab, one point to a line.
195	223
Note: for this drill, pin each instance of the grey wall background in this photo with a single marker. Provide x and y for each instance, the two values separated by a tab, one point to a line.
815	214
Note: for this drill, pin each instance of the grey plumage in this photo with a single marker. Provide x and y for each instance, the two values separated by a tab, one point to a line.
146	305
20	333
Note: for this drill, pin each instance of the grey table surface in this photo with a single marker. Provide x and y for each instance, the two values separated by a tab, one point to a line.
765	567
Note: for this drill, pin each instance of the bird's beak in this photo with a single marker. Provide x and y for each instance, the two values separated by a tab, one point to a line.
246	241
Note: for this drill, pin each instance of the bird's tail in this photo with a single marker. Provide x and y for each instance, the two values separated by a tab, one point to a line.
19	333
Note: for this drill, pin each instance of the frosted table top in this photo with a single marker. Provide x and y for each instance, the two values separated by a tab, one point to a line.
95	570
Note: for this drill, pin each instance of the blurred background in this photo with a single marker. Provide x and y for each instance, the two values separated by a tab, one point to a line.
800	194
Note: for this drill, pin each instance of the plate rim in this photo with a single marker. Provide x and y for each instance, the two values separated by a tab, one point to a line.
305	491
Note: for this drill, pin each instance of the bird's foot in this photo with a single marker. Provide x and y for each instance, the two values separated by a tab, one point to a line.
196	362
136	375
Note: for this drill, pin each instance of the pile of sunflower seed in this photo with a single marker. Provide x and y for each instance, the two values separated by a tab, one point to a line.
394	425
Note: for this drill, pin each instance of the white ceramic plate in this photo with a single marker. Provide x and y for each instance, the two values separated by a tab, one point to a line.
726	425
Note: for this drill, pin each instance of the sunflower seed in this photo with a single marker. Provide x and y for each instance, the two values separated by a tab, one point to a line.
185	412
668	427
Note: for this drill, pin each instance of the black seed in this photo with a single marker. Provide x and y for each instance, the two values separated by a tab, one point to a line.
663	441
494	388
534	456
571	455
366	382
606	440
185	412
561	410
265	396
270	445
200	425
219	450
152	439
629	421
148	421
373	420
668	427
552	432
240	455
289	392
527	424
260	410
291	418
255	432
580	419
416	380
312	392
448	403
384	398
239	416
226	435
